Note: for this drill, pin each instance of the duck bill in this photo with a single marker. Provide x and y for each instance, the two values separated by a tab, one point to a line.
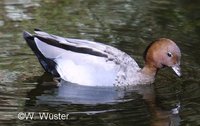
177	69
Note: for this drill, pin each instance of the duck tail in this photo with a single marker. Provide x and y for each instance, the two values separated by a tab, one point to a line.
31	43
48	64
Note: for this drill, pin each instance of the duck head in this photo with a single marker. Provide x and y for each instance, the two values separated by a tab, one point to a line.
160	53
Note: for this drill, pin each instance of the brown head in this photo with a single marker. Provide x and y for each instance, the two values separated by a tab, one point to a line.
163	52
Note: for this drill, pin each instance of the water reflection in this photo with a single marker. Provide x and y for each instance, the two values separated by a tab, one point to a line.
1	23
125	24
82	100
16	14
86	104
16	9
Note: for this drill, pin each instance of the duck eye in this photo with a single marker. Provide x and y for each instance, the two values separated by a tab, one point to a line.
169	54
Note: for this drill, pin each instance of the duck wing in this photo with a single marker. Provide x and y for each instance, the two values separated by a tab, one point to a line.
78	61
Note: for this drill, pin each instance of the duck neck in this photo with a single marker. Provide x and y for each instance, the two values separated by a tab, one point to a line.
149	70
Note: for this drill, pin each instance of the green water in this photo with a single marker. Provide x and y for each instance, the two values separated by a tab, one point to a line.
129	25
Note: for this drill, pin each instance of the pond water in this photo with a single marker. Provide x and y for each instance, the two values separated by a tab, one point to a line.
129	25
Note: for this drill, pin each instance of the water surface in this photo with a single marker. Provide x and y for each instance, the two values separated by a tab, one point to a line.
129	25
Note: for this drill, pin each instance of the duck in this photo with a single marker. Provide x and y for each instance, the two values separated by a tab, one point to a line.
89	63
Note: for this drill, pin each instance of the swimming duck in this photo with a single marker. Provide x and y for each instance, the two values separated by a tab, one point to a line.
96	64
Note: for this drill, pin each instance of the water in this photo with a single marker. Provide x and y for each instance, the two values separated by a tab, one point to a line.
129	25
